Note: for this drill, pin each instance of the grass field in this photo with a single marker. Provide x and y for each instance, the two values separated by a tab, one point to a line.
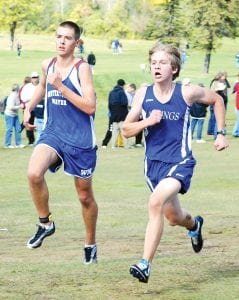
56	271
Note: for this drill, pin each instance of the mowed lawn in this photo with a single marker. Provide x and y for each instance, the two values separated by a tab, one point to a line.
56	270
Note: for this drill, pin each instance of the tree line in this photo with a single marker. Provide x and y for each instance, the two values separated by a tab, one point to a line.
202	23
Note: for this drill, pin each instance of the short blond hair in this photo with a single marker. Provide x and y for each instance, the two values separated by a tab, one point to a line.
172	51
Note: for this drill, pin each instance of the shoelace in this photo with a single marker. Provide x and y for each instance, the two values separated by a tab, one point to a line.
144	266
39	231
194	234
195	239
88	251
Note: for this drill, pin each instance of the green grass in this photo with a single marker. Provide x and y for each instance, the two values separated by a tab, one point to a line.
56	271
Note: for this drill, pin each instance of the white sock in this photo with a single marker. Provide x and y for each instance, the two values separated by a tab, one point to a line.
91	246
47	226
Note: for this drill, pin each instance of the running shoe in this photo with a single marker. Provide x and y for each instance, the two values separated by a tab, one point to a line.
42	232
90	255
196	236
141	270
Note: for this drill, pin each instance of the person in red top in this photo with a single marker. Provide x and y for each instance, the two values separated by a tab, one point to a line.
235	91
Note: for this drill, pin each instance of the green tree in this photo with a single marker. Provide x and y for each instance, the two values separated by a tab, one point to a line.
166	22
109	19
210	21
138	16
116	22
87	14
14	12
48	16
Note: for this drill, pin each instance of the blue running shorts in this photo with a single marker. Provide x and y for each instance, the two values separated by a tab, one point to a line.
78	162
155	171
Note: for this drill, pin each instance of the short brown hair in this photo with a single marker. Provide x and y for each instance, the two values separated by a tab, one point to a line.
172	51
77	29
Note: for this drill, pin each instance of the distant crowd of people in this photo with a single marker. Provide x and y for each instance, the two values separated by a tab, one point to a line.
116	46
120	99
198	111
16	101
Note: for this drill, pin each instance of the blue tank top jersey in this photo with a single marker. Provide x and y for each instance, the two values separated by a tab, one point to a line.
63	119
170	140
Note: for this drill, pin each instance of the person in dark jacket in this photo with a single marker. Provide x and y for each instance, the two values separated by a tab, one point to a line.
39	118
198	113
118	110
91	59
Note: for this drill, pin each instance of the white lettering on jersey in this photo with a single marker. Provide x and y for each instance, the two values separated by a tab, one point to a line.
171	115
54	93
59	101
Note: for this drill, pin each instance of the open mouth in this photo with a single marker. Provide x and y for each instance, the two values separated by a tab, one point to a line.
157	74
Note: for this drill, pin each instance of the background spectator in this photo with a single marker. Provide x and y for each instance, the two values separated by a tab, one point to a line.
81	46
26	95
235	91
39	118
198	113
12	119
118	107
219	84
19	49
130	92
26	80
237	59
91	59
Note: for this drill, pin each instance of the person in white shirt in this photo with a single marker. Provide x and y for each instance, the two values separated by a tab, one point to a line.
26	95
130	92
12	119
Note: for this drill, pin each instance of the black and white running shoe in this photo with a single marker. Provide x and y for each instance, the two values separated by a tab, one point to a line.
90	255
42	232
